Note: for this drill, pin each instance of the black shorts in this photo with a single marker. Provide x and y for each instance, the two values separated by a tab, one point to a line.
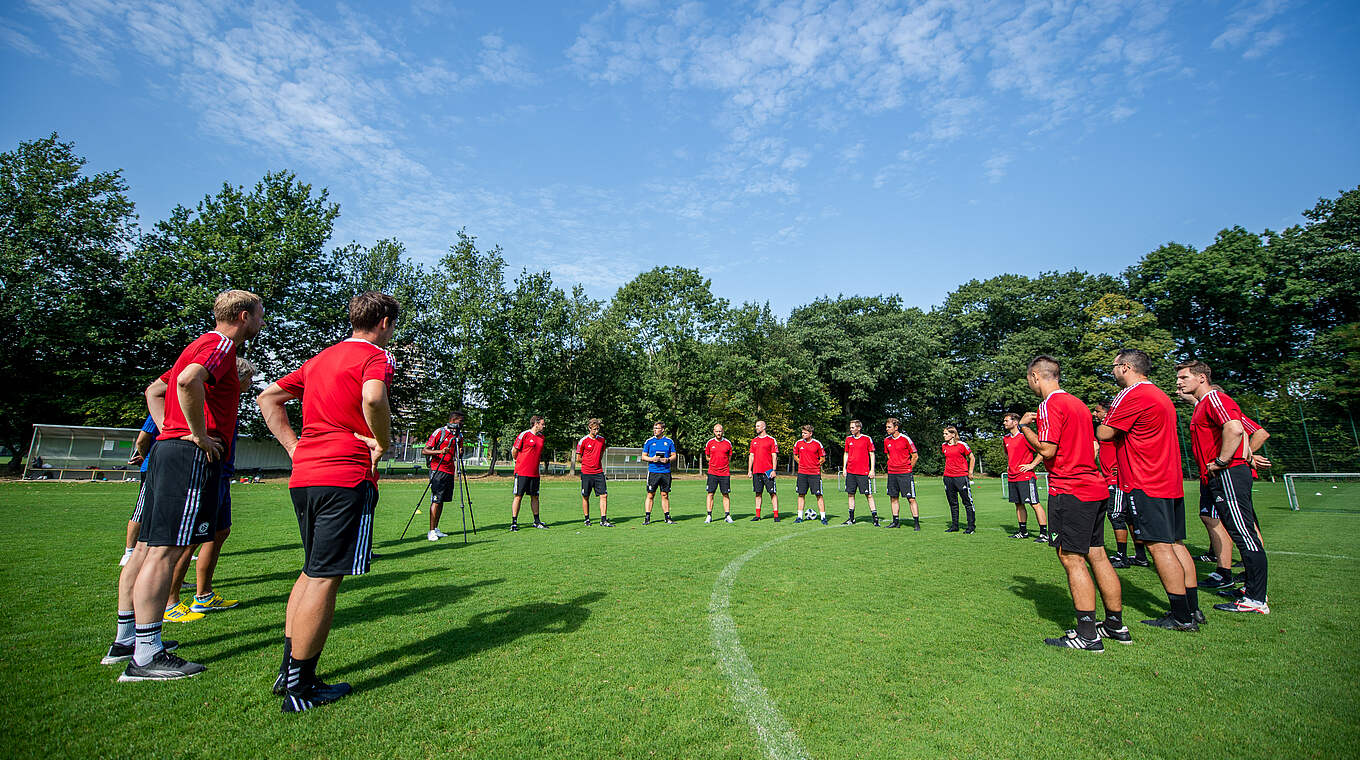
1023	491
658	481
336	524
179	498
807	483
1075	525
141	500
525	484
901	484
1160	521
441	486
762	482
859	484
719	482
1207	506
593	482
223	520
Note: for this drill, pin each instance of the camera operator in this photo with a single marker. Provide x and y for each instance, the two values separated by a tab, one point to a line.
442	453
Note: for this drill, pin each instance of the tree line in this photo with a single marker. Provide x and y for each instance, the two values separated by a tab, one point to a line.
102	305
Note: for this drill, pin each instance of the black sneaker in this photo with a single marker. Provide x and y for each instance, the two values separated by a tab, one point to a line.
756	518
776	519
969	530
604	523
280	684
1136	562
875	519
1207	558
669	521
916	526
123	652
1042	539
314	695
1120	634
849	521
952	529
1232	593
1019	534
1119	561
540	525
1171	624
587	521
894	524
1071	640
163	667
1215	581
514	527
1198	617
647	520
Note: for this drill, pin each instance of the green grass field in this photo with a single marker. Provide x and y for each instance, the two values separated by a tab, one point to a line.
591	642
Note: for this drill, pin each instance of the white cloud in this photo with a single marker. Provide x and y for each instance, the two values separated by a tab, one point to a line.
13	37
1249	28
996	166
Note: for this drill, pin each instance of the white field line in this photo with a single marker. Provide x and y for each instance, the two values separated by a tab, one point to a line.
776	736
1307	554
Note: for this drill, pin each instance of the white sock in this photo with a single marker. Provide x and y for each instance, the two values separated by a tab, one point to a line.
148	643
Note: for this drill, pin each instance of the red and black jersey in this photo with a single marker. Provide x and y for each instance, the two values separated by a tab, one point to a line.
1249	427
221	393
1148	449
530	447
1214	410
899	449
857	451
955	459
1066	422
1109	462
1018	452
330	385
763	450
809	453
590	449
719	454
444	438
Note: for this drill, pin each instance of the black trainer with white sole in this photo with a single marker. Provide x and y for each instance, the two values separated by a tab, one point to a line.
1169	623
314	695
1072	640
163	667
123	652
1120	634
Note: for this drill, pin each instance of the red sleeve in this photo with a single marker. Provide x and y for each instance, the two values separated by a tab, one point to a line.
519	439
1045	433
1249	425
1222	409
1123	411
579	445
379	367
965	447
165	376
214	358
911	446
434	438
774	445
293	382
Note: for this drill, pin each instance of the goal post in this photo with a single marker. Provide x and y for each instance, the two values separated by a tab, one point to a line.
1328	491
1042	477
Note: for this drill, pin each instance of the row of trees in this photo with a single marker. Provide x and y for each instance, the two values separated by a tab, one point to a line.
102	305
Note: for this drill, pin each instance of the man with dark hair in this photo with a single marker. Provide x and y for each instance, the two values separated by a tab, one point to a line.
1021	483
902	457
958	479
443	452
857	462
658	452
1121	514
1142	424
591	451
346	428
810	455
718	452
1076	499
527	453
760	468
1220	543
1221	450
179	502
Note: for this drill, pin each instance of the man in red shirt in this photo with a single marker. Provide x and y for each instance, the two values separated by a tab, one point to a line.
902	457
527	453
442	453
179	499
858	465
1076	505
718	452
958	479
810	455
1121	515
1142	424
346	428
590	449
1220	543
1221	450
760	466
1021	482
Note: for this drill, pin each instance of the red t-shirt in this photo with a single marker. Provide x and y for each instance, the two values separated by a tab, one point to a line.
809	453
221	391
330	385
1018	452
955	459
899	449
1109	462
591	451
530	446
857	450
1212	412
1148	453
448	461
764	447
1249	428
719	454
1065	421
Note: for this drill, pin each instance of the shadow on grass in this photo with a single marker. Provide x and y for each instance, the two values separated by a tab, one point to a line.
484	631
1052	602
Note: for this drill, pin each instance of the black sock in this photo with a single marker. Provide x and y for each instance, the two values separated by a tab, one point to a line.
1192	598
1023	529
1139	551
1043	529
1121	547
1114	619
1224	572
1180	609
301	673
852	514
916	519
1086	624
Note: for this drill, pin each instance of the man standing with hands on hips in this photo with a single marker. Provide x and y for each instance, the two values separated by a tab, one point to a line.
760	468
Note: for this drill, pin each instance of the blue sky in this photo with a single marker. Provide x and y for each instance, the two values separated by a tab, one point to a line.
789	150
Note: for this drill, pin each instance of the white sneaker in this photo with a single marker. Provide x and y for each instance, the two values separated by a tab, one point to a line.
440	533
729	518
708	519
432	535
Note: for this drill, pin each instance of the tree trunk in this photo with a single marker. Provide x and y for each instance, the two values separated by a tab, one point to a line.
491	458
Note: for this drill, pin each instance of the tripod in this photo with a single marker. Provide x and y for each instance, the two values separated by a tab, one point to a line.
462	485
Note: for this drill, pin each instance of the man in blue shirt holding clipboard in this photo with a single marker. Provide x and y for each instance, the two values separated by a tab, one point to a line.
658	452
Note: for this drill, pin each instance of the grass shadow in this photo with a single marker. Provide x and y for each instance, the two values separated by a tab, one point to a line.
1052	602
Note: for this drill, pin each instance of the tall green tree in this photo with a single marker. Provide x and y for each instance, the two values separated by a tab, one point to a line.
64	237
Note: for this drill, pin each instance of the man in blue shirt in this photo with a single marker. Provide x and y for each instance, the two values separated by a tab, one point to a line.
658	452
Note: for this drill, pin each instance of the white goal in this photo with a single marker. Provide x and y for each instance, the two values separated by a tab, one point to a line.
1323	491
1043	485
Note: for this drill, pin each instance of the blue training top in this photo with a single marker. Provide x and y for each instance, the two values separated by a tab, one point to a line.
150	428
662	447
